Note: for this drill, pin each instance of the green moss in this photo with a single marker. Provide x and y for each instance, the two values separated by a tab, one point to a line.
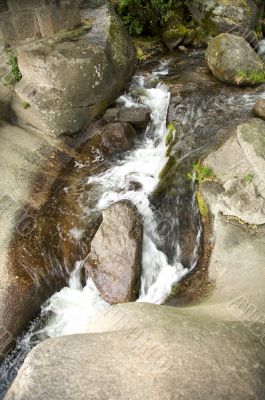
254	77
176	32
259	32
15	74
26	105
202	173
140	54
208	26
171	130
117	42
146	16
201	204
147	47
249	177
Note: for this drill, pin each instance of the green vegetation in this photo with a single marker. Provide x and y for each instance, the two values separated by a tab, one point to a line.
26	105
147	47
140	54
171	130
202	173
176	31
15	74
201	204
249	177
146	16
253	77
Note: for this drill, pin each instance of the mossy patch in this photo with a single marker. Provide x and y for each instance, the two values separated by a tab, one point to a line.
249	177
147	47
171	131
201	204
176	32
117	42
254	77
26	105
15	74
201	172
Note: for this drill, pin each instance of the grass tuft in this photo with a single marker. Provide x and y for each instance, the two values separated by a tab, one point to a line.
254	77
202	173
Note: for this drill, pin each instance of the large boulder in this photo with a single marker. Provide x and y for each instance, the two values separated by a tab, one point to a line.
236	201
219	16
23	287
146	351
232	60
70	77
240	166
114	262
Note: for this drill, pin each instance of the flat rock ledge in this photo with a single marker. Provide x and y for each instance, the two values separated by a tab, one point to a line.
146	351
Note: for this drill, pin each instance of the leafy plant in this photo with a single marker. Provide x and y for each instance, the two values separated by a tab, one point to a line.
252	77
145	16
249	177
15	74
201	172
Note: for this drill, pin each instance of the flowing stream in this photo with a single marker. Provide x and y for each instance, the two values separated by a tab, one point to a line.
199	107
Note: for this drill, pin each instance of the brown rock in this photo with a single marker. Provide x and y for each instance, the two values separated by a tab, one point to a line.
259	109
118	137
114	262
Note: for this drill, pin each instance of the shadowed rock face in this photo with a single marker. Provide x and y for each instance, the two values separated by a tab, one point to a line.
22	20
69	75
114	262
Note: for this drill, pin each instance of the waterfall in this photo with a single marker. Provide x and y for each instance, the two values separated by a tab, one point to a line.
73	307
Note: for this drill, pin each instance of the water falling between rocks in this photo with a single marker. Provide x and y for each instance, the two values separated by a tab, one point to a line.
199	107
74	306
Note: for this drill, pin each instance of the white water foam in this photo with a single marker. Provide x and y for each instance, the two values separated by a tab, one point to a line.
73	307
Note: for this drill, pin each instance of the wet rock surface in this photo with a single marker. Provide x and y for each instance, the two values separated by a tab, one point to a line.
114	262
43	228
232	60
117	137
138	117
236	266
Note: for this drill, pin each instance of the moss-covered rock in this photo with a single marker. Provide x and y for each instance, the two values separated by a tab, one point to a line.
175	35
71	77
232	60
219	16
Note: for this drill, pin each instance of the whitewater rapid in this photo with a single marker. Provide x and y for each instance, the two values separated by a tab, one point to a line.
74	306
